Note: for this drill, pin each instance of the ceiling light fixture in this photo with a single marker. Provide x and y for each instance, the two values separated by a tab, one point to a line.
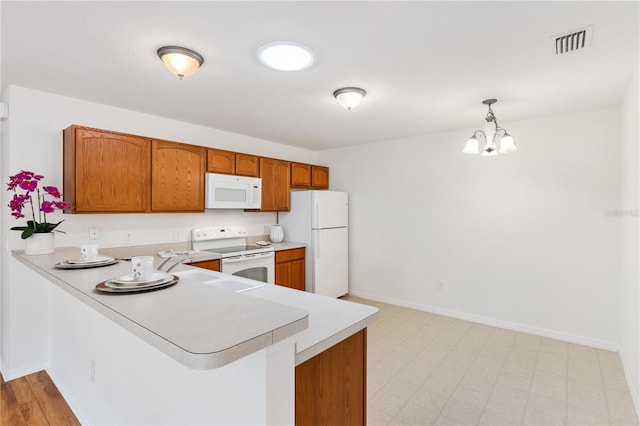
493	136
180	61
286	55
349	97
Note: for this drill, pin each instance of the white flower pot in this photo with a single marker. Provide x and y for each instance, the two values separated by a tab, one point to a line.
40	244
276	233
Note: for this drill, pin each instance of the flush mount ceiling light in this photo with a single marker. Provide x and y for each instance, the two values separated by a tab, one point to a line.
180	61
286	55
349	97
491	137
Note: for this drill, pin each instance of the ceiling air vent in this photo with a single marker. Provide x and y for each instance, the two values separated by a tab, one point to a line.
574	40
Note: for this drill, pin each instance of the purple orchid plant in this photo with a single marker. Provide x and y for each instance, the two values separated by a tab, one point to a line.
28	182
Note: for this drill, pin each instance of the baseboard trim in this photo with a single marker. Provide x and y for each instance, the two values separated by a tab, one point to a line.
630	384
81	414
538	331
15	373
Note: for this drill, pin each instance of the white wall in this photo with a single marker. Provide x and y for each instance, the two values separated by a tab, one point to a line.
630	302
526	240
35	143
32	140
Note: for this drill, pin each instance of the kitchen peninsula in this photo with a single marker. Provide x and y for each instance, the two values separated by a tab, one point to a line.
192	353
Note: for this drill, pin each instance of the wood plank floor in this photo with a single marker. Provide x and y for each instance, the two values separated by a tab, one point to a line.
33	400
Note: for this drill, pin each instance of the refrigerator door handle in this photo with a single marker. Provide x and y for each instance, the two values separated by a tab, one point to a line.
318	222
318	245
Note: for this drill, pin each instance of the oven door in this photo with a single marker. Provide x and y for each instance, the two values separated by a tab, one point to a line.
259	267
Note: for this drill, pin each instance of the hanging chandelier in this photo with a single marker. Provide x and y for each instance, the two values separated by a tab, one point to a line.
492	139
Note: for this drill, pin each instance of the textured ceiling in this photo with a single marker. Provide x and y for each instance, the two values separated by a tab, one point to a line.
426	66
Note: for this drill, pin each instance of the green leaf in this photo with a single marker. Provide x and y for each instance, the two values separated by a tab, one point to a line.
27	233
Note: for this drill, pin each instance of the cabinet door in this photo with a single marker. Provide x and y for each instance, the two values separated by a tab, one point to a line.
300	175
177	178
297	274
247	165
283	274
213	265
219	161
331	387
290	268
275	185
106	171
320	177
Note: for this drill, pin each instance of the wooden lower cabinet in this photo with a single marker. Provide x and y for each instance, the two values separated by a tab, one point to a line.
213	265
290	268
331	388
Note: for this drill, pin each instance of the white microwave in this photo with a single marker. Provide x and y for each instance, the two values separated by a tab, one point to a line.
232	192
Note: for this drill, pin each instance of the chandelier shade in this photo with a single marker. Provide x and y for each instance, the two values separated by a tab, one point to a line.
492	139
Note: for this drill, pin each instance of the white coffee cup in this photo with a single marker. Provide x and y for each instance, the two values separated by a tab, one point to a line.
142	267
88	252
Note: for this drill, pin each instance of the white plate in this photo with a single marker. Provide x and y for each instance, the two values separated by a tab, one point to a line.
156	278
87	262
109	287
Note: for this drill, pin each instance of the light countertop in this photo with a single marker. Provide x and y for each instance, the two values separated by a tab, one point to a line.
205	327
200	326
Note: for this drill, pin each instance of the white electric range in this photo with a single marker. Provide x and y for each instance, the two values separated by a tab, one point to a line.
237	258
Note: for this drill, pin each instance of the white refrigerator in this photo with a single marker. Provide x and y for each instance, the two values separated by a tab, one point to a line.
320	219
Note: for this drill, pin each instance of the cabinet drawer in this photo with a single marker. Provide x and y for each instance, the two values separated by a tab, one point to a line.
213	265
288	255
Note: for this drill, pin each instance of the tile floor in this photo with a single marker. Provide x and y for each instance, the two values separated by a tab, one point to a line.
426	369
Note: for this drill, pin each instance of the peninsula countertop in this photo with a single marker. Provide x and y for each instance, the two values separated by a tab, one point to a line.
205	327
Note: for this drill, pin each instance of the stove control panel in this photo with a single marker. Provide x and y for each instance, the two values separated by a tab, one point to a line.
218	233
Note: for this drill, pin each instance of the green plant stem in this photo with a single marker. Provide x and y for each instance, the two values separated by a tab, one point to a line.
33	213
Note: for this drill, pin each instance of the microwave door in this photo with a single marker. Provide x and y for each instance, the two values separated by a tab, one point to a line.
228	195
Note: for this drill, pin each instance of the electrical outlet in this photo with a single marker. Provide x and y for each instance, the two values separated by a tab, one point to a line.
128	238
93	232
93	371
440	285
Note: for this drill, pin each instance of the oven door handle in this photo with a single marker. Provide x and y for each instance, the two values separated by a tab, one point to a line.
249	258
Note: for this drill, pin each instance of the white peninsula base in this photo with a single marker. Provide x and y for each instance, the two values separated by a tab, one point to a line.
109	376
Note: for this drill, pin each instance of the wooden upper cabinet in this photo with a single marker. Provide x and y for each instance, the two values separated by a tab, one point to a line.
247	165
276	195
232	163
319	177
300	175
308	176
106	171
219	161
177	179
